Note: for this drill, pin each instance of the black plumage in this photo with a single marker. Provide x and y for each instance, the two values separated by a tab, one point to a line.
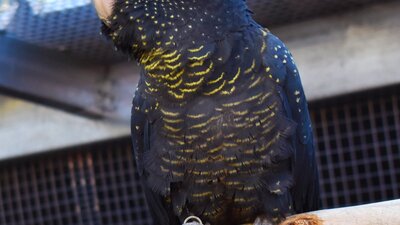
220	125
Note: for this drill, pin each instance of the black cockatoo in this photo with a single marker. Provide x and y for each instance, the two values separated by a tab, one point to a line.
220	125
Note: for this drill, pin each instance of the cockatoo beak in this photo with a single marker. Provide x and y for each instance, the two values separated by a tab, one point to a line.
104	9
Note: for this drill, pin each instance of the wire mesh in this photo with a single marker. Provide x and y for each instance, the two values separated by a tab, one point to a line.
358	154
358	144
72	27
272	13
91	186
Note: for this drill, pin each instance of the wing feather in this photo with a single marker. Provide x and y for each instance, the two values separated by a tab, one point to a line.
141	128
305	191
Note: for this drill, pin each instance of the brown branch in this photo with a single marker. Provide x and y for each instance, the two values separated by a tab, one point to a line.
383	213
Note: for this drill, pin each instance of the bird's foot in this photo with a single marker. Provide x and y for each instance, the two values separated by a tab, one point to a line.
303	219
264	221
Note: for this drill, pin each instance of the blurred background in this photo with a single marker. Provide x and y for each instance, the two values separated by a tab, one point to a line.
65	97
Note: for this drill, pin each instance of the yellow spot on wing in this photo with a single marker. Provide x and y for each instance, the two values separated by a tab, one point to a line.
248	188
244	163
234	171
216	90
153	65
202	194
240	102
186	150
165	170
172	60
269	144
200	125
208	70
253	65
172	129
235	77
229	145
229	92
188	90
253	97
264	46
173	67
233	183
265	110
216	80
197	63
241	113
173	76
195	83
272	114
196	49
152	89
176	84
173	162
265	33
173	114
198	116
216	149
195	58
176	95
172	120
255	82
169	55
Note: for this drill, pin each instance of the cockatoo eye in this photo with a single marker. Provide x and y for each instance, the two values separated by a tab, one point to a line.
104	9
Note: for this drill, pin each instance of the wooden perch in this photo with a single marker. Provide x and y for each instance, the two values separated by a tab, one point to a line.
383	213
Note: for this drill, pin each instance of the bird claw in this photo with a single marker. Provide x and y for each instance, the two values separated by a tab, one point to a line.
303	219
262	221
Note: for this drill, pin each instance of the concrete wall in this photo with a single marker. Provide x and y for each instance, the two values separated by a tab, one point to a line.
347	53
27	128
